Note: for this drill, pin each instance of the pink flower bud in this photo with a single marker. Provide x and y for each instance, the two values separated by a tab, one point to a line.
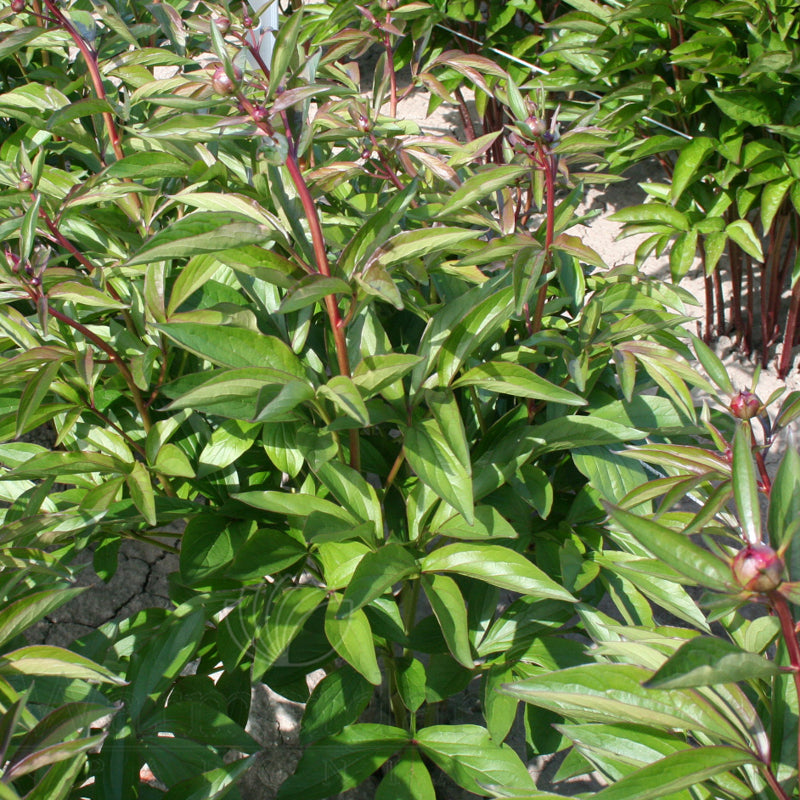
745	405
758	568
222	83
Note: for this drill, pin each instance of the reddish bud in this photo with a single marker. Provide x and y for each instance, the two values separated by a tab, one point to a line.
745	405
260	114
18	6
222	82
537	126
223	24
25	182
758	568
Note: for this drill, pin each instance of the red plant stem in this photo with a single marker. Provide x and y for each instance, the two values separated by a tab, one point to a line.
548	161
766	481
115	358
387	43
466	118
719	301
773	783
91	62
320	258
781	608
709	308
789	333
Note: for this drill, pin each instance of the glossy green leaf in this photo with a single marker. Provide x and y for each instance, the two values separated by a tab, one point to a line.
675	549
344	394
745	490
45	659
408	779
161	660
297	504
277	403
264	553
431	457
741	231
287	615
337	701
713	365
614	693
208	545
682	255
652	213
705	661
201	232
212	784
514	379
234	347
690	160
351	637
496	565
375	373
471	758
20	615
376	572
675	772
450	610
201	722
311	289
142	494
229	441
341	762
754	108
411	682
480	185
407	245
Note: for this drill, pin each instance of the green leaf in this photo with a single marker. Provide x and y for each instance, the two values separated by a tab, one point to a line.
705	661
201	232
411	682
344	394
142	494
407	245
287	615
162	658
337	701
496	565
341	762
676	772
690	159
264	553
20	615
675	549
201	722
351	638
604	692
438	467
351	489
376	572
514	379
488	524
499	709
172	461
450	610
232	439
472	759
375	373
209	543
48	660
741	231
651	213
34	393
408	779
277	403
212	784
682	255
754	108
310	289
485	182
784	508
234	347
284	51
297	504
713	365
745	489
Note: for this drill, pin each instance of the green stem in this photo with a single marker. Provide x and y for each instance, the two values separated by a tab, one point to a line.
548	163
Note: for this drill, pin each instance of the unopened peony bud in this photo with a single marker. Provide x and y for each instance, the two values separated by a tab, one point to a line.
758	568
18	6
745	405
222	82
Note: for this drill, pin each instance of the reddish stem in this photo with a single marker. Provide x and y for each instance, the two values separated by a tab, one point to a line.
789	333
548	162
781	608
